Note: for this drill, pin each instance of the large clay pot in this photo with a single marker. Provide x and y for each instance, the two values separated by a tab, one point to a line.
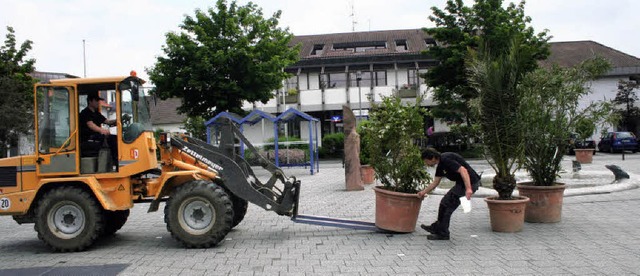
507	215
545	202
584	156
368	174
395	211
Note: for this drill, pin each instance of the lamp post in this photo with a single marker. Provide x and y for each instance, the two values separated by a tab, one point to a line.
358	79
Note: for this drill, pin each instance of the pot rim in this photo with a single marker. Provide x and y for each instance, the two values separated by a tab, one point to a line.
532	186
516	200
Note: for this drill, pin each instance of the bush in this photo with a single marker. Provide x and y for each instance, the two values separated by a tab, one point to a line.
332	145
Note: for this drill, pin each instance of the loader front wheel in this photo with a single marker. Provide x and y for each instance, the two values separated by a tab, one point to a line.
199	214
240	207
114	220
68	219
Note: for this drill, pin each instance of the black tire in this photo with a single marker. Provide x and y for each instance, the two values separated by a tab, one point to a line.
240	207
212	208
68	219
114	220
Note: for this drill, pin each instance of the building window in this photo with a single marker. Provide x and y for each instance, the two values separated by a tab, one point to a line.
291	83
401	45
369	79
317	49
413	78
333	80
359	47
430	42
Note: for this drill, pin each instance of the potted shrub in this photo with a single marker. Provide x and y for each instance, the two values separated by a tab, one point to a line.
495	77
390	134
585	127
366	171
550	110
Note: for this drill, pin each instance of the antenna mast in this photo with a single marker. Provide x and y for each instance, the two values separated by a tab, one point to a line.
353	17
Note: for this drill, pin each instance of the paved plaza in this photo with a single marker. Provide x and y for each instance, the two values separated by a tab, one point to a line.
598	235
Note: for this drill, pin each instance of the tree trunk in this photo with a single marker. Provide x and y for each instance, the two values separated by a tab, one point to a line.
504	185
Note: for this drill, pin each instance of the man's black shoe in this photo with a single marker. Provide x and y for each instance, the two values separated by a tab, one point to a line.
436	237
428	228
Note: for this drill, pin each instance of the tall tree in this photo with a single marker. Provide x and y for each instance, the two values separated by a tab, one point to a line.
223	56
625	101
16	100
458	29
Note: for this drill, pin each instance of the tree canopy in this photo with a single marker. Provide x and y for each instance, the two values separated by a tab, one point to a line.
460	28
16	102
223	56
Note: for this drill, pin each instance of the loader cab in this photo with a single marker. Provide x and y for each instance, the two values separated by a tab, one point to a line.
61	149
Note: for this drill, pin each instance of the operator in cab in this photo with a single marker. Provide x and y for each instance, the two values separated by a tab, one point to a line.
92	134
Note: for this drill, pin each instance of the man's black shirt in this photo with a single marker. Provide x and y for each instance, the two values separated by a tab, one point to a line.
448	167
85	116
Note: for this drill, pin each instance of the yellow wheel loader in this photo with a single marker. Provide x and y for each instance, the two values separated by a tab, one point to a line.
74	193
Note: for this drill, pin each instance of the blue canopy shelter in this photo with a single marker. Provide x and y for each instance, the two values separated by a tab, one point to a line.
257	115
214	121
253	118
291	114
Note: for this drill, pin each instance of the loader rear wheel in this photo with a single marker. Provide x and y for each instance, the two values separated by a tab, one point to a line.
199	214
240	207
68	219
114	220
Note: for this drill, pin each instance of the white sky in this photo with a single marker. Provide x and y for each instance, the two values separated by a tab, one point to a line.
124	35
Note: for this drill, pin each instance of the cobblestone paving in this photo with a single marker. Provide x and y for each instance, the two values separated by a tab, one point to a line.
598	235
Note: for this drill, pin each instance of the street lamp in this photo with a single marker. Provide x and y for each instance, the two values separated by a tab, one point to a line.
358	79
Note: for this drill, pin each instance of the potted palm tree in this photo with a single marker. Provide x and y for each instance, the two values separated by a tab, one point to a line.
550	110
495	77
391	131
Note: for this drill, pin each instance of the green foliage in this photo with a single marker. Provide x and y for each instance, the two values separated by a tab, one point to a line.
585	127
195	127
365	159
16	102
459	28
223	56
390	134
332	145
550	110
625	101
495	76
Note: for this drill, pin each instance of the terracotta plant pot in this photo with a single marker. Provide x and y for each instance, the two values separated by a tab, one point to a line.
584	156
507	215
395	211
545	202
368	174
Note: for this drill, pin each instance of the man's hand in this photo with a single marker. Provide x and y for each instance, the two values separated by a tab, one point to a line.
422	194
104	131
468	193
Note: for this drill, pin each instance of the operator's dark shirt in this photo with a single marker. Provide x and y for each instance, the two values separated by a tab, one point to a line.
85	116
448	167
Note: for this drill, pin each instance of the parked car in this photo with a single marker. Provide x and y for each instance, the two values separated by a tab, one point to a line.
575	143
618	141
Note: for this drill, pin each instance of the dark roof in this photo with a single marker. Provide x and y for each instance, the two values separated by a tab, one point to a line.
415	41
334	47
165	111
572	53
46	76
